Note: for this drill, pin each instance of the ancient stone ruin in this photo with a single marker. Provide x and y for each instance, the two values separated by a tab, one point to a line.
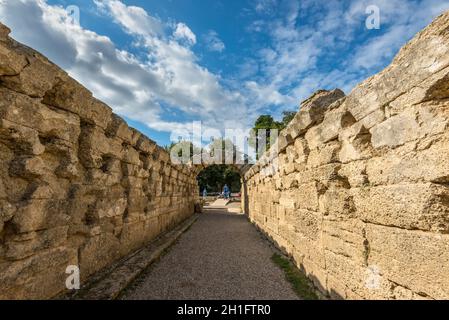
77	185
358	196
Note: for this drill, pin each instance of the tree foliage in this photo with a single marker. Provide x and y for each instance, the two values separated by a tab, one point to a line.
287	117
268	123
215	177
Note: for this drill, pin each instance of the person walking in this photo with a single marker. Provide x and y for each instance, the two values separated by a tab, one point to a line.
204	193
226	191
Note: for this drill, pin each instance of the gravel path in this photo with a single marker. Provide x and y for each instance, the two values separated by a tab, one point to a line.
222	256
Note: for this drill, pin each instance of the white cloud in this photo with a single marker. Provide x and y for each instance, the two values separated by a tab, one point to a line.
256	26
134	19
401	20
266	94
213	42
307	37
140	89
183	32
265	6
169	75
375	52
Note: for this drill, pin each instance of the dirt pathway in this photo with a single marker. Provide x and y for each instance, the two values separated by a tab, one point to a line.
222	256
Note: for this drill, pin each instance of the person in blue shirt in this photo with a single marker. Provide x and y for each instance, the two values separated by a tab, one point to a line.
226	191
204	193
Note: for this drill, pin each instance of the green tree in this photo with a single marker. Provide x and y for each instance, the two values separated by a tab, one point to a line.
287	117
268	123
264	122
214	177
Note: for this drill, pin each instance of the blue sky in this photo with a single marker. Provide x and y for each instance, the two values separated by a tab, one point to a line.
163	64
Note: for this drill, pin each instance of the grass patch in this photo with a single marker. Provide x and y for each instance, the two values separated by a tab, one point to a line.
300	283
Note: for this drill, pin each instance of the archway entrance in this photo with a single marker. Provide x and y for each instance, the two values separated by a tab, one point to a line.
214	178
220	185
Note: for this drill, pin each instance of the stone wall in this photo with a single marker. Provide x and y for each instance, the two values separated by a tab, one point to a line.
360	194
77	185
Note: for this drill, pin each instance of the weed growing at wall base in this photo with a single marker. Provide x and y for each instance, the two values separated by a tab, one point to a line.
300	283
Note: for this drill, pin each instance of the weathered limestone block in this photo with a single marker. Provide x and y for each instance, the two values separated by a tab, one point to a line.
35	79
146	145
337	202
288	200
410	206
34	215
27	167
31	277
415	259
7	211
433	88
289	181
117	127
68	168
307	195
11	61
355	173
324	174
131	155
111	206
307	223
288	167
39	191
163	156
312	111
346	238
136	200
309	256
98	252
334	121
134	171
437	86
20	138
67	94
395	131
350	275
28	112
3	194
133	235
284	140
26	245
325	154
302	150
291	153
101	179
430	164
97	113
151	228
4	32
371	119
95	149
357	147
